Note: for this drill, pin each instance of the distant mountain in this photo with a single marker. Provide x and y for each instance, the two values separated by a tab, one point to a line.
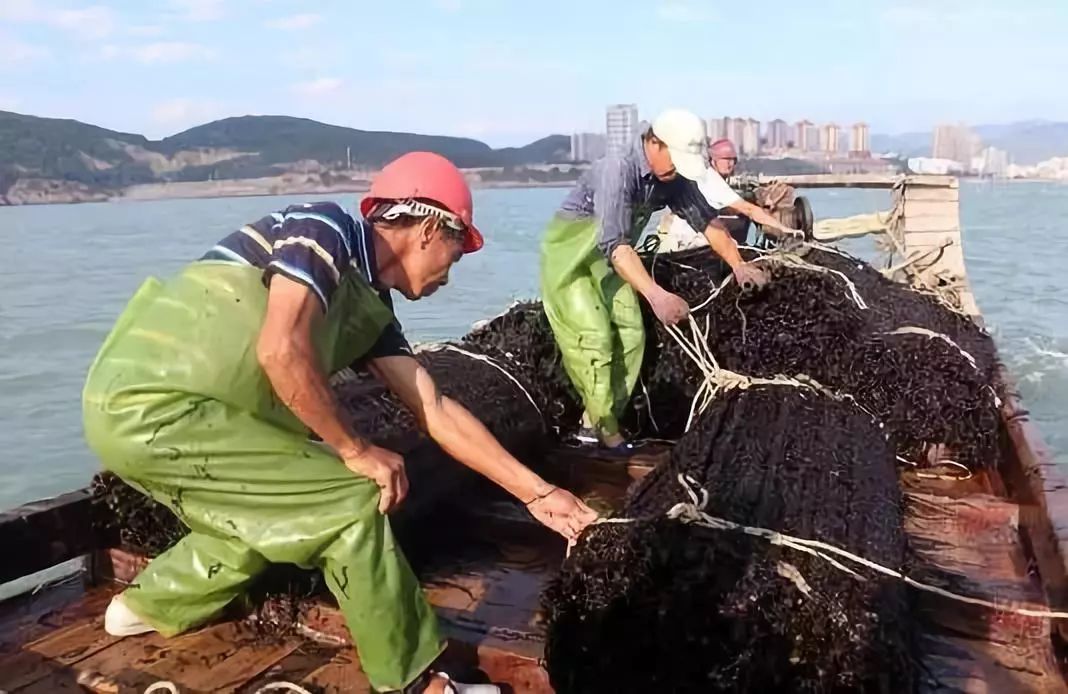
244	147
905	144
1027	142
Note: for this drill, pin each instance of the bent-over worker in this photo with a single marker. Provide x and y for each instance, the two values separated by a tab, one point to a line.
736	213
206	392
591	276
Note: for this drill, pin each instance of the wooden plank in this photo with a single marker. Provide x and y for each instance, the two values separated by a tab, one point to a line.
307	658
41	534
941	223
921	193
885	181
915	209
1037	480
341	674
918	240
972	546
54	652
110	670
29	617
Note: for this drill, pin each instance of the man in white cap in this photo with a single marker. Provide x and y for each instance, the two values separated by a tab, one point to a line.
591	275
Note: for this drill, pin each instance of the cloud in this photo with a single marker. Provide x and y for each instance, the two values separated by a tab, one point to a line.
682	11
294	22
20	11
159	53
319	87
182	112
144	30
94	22
199	10
15	52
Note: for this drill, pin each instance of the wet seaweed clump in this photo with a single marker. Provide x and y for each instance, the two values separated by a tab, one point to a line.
132	520
660	605
833	318
522	341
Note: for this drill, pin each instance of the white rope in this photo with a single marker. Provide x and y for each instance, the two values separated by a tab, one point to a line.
794	260
693	513
162	685
717	379
913	330
281	685
487	360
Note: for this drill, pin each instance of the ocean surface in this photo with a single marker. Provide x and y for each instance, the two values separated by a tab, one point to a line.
68	270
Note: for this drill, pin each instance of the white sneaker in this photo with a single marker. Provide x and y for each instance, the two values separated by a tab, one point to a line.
120	620
453	687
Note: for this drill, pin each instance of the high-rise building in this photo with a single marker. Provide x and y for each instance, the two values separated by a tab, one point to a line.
829	136
717	129
992	162
860	140
777	135
801	135
587	146
621	126
750	144
735	131
956	143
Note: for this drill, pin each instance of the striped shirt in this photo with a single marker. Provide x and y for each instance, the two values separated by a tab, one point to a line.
314	244
621	193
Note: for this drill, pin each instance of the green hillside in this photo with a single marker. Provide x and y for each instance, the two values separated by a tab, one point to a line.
243	147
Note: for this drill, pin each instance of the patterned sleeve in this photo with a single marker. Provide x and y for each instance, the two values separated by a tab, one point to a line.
612	194
313	248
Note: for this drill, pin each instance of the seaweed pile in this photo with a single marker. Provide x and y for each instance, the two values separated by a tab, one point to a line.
658	605
927	391
526	409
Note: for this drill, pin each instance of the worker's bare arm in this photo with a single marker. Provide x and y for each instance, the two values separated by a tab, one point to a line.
668	307
464	438
287	354
763	218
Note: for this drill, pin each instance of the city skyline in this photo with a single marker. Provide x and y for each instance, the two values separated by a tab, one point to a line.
159	68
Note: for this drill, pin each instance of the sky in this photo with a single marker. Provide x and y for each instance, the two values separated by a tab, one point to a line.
511	71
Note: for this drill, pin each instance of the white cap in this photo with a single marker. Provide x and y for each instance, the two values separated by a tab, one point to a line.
684	134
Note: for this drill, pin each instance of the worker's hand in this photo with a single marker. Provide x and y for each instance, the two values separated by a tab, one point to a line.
669	308
561	511
750	277
386	468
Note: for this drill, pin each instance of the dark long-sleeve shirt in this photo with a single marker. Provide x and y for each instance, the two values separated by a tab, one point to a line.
621	193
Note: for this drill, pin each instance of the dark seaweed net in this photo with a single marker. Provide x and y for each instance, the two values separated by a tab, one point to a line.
660	606
805	322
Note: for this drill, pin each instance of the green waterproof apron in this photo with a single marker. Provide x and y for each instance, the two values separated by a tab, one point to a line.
177	405
595	317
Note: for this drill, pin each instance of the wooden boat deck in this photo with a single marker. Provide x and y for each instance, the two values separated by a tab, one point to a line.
483	573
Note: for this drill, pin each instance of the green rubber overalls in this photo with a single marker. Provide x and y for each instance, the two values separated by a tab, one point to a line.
595	317
178	406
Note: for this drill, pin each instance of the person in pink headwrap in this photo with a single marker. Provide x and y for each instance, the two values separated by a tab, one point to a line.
736	213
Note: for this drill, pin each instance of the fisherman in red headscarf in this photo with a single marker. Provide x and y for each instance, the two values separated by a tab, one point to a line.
736	213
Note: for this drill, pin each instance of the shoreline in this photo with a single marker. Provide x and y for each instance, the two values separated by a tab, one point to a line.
237	188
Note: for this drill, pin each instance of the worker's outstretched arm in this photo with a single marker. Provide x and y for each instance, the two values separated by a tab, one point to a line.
747	275
288	357
765	219
723	244
668	307
464	438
